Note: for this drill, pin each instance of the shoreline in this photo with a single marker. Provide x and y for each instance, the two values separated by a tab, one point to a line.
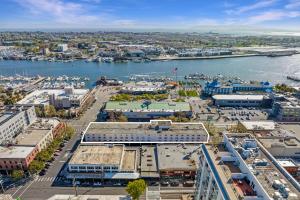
204	57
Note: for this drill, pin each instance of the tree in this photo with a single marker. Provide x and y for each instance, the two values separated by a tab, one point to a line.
36	166
50	111
122	118
39	112
17	174
44	155
69	132
136	188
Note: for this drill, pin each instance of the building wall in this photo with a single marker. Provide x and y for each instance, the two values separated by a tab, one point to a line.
19	121
59	129
45	141
246	103
15	163
207	186
127	138
93	168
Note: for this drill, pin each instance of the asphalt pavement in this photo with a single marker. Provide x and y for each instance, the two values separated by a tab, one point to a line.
43	187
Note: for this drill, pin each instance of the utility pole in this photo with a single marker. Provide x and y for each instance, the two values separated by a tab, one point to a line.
75	186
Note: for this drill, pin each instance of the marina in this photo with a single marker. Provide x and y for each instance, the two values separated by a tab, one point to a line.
259	68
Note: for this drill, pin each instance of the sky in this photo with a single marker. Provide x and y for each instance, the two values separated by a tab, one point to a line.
189	15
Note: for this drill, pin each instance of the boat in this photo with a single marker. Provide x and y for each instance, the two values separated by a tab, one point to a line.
293	78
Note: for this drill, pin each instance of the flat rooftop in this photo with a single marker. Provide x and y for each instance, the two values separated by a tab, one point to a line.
136	106
178	156
287	163
238	97
31	137
15	152
145	128
280	142
155	131
149	161
97	154
39	97
258	125
259	163
119	155
293	128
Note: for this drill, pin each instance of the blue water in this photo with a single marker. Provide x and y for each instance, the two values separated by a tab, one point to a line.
248	68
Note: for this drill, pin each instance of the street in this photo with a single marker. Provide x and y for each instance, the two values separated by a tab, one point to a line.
43	187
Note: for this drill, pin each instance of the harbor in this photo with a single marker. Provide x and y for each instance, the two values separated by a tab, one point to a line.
259	68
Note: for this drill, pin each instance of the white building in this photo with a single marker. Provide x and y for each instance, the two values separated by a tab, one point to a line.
238	100
136	110
14	120
241	168
59	98
62	47
104	161
155	131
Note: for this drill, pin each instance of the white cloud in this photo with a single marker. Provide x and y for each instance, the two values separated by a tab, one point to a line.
273	15
293	4
258	5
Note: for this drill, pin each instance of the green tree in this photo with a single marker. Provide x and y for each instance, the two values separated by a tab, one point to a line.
17	174
44	155
50	111
69	132
136	188
39	112
36	166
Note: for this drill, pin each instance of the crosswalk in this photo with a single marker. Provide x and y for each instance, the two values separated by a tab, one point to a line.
48	179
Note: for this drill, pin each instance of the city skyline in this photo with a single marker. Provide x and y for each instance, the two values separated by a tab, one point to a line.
233	15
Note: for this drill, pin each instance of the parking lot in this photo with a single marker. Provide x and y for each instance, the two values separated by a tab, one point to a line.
240	113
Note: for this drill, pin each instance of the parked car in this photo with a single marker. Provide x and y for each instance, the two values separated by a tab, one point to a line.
97	184
174	183
164	183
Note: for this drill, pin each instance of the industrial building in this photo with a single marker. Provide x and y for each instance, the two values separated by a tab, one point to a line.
153	132
147	110
13	120
241	168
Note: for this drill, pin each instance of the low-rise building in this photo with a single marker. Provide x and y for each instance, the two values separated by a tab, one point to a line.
216	87
62	47
282	146
16	157
257	127
287	109
147	110
13	120
104	162
239	100
39	134
153	132
178	160
290	165
144	87
59	98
